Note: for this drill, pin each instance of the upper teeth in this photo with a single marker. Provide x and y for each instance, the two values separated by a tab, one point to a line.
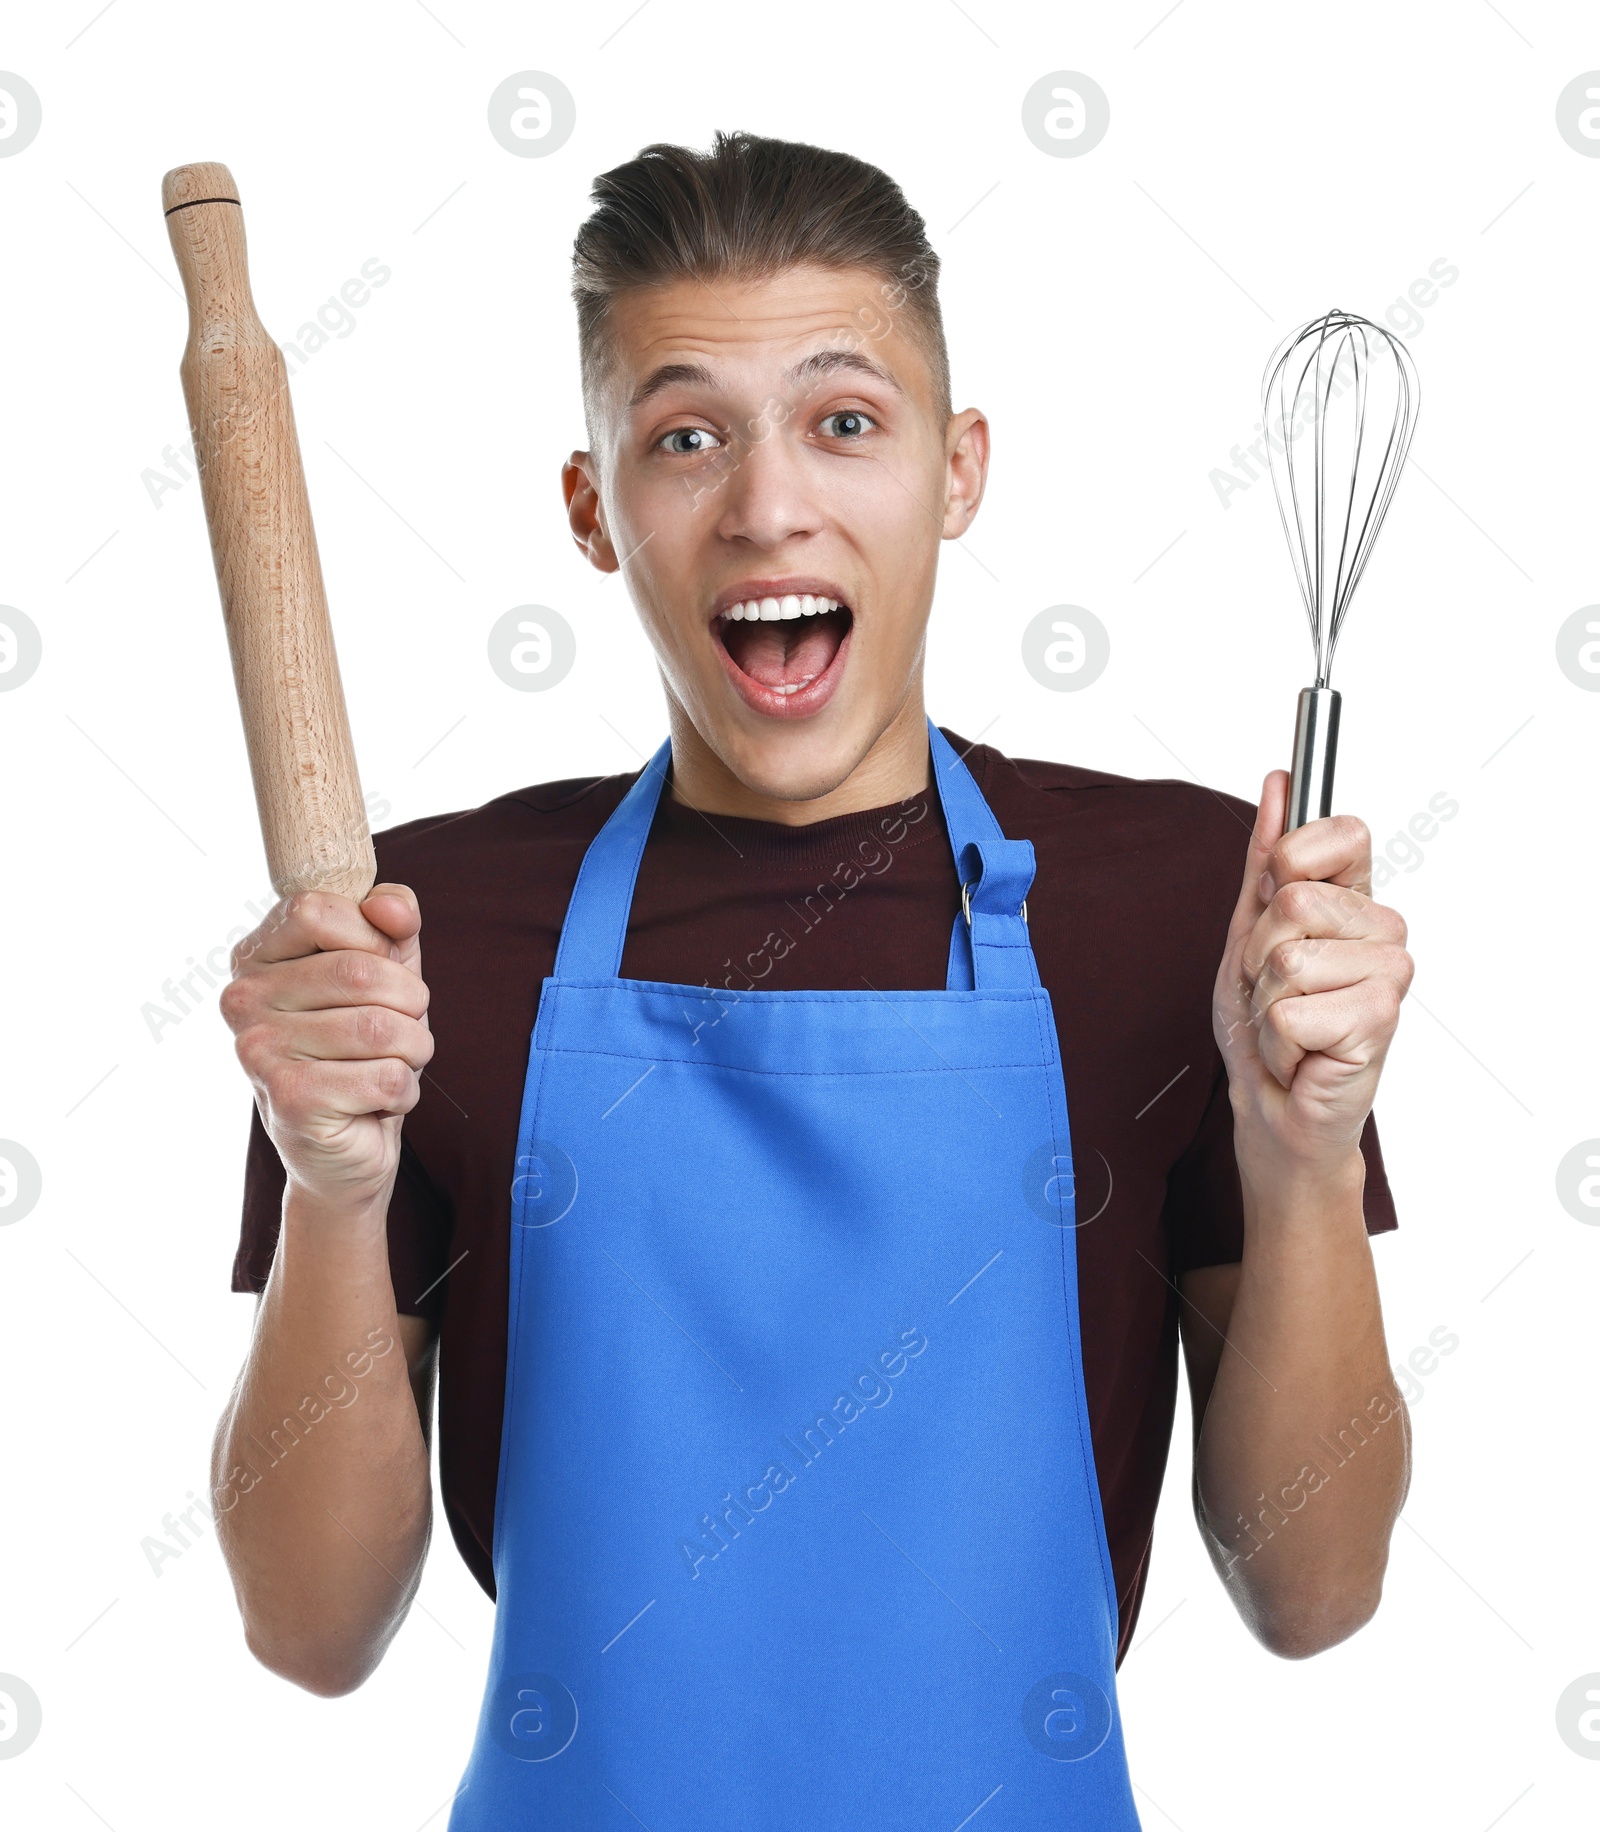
769	610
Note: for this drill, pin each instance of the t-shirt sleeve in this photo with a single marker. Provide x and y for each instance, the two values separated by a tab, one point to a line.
420	1227
1204	1208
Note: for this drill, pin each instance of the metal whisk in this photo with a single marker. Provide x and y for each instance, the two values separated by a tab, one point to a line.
1351	386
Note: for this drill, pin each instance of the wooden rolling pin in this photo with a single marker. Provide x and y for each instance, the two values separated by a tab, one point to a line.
313	817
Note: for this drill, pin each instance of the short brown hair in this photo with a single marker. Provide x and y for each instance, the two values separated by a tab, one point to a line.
748	209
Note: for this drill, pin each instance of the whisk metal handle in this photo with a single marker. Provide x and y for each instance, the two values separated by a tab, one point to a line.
1316	744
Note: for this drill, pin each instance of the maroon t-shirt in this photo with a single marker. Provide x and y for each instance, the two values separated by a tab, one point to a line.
1128	914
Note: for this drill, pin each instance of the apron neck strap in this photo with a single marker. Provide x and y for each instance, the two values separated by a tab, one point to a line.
989	947
597	917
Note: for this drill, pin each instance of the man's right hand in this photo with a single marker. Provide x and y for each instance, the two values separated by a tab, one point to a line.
329	1013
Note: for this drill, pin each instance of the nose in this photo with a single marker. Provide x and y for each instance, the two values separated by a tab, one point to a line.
767	496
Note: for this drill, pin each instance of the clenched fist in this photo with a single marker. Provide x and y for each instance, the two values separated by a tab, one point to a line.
1308	994
329	1013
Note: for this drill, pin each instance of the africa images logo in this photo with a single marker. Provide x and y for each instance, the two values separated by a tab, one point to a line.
869	1389
535	1716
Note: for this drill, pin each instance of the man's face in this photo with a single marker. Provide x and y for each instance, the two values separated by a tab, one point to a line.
774	474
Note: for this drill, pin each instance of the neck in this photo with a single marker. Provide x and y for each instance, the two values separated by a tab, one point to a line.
895	768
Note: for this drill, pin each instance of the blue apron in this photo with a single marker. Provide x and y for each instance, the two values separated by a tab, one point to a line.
797	1524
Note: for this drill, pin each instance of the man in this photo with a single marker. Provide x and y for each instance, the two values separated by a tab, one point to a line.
806	1404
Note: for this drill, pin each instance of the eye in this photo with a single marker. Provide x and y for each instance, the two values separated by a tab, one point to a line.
847	422
688	441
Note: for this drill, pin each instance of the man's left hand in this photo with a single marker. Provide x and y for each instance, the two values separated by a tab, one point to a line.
1308	993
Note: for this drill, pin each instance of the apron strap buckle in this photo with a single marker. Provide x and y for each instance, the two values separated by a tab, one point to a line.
989	949
966	903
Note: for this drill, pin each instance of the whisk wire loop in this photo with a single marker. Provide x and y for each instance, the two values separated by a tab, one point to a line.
1354	385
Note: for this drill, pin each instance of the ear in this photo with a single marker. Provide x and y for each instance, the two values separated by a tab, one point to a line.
966	449
580	490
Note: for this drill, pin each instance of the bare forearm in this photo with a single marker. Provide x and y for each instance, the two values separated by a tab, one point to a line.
1304	1454
320	1465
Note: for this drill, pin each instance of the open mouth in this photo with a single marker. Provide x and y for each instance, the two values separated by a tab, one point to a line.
785	654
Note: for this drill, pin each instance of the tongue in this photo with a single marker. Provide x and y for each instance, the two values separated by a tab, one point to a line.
786	653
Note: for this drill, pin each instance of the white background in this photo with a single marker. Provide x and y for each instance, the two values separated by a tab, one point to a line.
1112	314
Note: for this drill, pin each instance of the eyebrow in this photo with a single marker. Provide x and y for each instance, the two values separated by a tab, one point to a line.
811	368
840	362
669	375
